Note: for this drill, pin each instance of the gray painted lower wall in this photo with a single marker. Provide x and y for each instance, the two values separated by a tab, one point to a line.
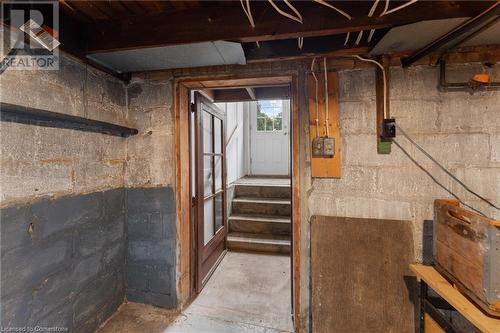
151	246
69	262
63	261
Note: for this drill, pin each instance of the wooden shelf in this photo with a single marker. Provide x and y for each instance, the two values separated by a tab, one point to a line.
465	307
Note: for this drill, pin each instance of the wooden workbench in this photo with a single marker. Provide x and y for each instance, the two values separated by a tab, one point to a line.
459	302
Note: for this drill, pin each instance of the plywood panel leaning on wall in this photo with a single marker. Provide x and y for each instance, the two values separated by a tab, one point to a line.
360	275
326	167
467	251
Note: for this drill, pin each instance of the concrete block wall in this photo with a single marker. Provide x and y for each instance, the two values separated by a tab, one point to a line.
38	161
65	195
151	233
62	261
63	202
459	129
151	153
150	179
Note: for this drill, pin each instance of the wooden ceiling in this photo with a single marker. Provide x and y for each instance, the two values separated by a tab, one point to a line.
123	10
102	26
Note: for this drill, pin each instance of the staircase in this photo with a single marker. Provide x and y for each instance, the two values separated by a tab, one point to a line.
260	218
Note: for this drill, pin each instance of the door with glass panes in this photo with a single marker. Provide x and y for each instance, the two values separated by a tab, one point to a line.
269	139
210	210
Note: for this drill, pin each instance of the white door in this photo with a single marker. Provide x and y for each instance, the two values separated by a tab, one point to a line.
270	137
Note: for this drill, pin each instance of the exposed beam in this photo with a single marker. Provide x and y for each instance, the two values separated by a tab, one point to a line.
211	22
282	92
458	34
232	95
258	93
313	46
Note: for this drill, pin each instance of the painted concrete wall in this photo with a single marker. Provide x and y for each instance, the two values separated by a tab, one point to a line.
460	130
63	203
237	145
63	261
151	263
150	178
67	198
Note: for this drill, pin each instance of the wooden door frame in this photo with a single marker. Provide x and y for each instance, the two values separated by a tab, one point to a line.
185	252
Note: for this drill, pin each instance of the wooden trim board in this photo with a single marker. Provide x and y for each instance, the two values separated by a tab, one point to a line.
325	167
465	307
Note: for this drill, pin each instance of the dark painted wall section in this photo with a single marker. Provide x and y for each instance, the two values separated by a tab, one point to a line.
69	262
67	269
151	246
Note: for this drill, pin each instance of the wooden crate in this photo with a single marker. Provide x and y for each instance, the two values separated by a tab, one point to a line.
467	252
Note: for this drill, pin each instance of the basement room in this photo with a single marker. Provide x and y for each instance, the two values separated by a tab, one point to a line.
264	166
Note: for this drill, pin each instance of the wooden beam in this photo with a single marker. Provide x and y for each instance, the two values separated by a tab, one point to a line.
251	93
457	35
313	46
279	92
231	95
213	22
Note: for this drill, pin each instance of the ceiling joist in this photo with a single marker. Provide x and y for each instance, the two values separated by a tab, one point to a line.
212	22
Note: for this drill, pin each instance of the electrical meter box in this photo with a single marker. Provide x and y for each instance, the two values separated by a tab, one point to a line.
329	147
323	147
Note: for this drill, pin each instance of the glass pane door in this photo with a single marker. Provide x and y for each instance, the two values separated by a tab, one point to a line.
211	197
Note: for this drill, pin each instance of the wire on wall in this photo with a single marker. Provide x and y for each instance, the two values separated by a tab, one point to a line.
370	36
372	10
386	7
248	11
360	35
297	16
395	9
429	156
316	106
383	75
327	120
435	180
324	3
347	38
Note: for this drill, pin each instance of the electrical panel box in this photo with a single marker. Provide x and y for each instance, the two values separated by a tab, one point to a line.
329	147
388	128
317	147
323	147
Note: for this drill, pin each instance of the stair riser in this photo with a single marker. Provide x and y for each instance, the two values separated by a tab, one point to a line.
259	227
281	192
257	208
253	247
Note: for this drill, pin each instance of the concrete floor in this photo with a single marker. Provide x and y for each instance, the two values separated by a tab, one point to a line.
247	293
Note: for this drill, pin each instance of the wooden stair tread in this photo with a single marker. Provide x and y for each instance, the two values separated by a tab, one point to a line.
259	218
277	201
262	185
258	238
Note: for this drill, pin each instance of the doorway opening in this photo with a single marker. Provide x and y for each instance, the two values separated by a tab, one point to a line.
241	171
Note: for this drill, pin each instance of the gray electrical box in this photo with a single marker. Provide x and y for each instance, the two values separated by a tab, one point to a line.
323	147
